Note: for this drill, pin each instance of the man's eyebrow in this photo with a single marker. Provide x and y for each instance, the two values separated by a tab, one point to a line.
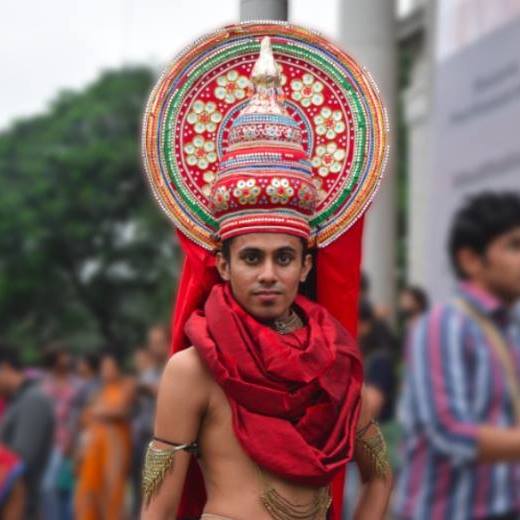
252	249
249	249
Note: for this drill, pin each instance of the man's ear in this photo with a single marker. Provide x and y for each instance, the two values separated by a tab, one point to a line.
222	266
307	266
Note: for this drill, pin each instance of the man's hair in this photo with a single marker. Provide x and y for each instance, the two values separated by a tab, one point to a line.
480	221
52	353
226	248
419	295
109	351
9	355
91	359
366	311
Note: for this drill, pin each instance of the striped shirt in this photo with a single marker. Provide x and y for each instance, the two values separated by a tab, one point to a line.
453	383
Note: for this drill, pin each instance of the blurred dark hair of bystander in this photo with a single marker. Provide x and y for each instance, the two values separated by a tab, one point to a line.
54	354
484	218
9	356
91	360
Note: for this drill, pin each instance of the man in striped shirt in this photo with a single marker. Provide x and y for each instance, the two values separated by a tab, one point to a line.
460	401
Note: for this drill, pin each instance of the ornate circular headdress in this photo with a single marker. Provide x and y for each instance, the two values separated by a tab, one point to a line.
234	143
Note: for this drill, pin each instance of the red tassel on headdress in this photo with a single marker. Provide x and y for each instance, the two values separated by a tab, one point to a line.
338	282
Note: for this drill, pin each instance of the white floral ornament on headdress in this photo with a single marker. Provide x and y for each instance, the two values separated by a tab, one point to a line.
200	152
328	159
231	87
329	123
307	91
204	116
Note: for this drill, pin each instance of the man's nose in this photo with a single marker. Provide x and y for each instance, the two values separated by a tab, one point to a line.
267	272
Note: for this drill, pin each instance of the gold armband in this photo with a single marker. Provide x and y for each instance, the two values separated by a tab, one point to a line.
158	461
371	452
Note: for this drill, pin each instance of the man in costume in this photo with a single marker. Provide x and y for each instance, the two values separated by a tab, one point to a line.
268	395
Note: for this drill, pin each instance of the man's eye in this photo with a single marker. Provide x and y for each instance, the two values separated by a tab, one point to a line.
285	259
250	258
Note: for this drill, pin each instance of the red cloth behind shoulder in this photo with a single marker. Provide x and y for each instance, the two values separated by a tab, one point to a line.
338	282
198	276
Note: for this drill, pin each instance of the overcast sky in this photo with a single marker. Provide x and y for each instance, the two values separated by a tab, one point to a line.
49	45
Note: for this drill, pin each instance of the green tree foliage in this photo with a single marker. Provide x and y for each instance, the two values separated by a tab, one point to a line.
85	254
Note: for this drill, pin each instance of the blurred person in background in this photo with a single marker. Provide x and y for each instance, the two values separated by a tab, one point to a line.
381	312
87	373
379	315
61	386
26	428
413	303
158	343
147	380
378	350
105	453
460	406
149	363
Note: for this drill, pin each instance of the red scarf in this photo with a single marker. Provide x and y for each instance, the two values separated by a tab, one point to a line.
295	398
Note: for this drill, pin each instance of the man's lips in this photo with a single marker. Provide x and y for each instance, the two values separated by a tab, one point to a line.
267	296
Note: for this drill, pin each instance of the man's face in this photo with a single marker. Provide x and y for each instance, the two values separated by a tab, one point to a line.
5	379
62	362
109	369
407	304
264	271
498	270
142	360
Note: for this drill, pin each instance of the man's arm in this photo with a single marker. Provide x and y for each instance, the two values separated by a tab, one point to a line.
181	403
371	458
498	444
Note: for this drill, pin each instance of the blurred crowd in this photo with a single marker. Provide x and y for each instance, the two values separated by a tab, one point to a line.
74	429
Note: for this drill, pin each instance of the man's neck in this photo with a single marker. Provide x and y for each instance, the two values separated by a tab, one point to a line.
483	286
289	323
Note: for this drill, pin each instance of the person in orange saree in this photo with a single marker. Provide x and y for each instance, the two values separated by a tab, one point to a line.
104	451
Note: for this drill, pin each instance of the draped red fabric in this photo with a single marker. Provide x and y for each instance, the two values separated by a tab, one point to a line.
338	279
295	397
198	277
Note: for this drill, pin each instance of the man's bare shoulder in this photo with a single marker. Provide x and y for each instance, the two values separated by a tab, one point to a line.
186	363
185	376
